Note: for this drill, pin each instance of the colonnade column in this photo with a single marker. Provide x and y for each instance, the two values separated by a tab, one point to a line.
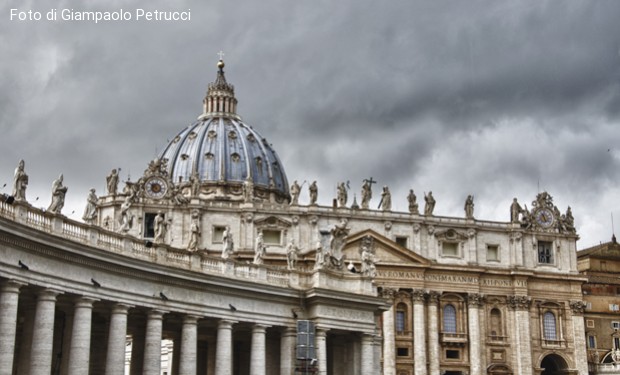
521	305
9	300
223	351
433	333
419	332
368	354
189	344
258	353
152	345
287	349
79	352
389	342
321	350
473	313
115	360
43	333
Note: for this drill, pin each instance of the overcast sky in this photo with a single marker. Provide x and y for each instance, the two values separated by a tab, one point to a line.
498	99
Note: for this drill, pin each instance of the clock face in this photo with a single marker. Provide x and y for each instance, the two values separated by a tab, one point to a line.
156	187
544	217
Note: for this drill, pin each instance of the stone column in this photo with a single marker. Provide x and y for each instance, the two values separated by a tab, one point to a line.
258	354
9	299
521	305
419	332
581	355
389	342
433	333
321	350
189	344
152	345
43	333
115	360
287	350
473	313
79	352
223	351
377	340
368	354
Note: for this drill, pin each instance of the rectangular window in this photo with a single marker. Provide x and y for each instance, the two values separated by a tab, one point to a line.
615	325
614	307
272	237
591	342
452	354
402	241
400	321
149	227
450	249
545	252
616	342
492	253
218	234
588	305
402	352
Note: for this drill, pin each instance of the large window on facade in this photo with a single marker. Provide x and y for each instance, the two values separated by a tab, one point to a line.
545	252
449	319
549	326
401	316
496	323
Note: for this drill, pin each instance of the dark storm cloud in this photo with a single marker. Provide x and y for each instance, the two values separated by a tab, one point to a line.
481	97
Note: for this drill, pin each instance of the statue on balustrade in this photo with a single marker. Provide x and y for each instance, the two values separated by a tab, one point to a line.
227	243
58	196
90	212
413	204
160	225
314	192
259	249
194	230
20	182
292	252
112	182
429	207
469	207
342	195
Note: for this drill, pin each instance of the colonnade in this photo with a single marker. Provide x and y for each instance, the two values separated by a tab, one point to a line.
31	345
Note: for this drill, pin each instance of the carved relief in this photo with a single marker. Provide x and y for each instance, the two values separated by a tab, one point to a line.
418	295
519	302
578	307
416	228
433	296
475	299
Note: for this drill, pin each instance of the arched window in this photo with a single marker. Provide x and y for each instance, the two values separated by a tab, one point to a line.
549	326
496	323
401	318
449	319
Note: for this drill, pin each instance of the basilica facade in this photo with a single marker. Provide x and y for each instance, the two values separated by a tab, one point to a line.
211	250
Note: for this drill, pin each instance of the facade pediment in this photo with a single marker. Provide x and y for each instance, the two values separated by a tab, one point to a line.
386	250
272	222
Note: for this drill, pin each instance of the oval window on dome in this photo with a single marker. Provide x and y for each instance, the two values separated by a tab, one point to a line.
192	135
212	134
209	155
232	135
235	157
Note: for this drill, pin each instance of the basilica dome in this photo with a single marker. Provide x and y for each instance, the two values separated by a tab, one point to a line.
220	150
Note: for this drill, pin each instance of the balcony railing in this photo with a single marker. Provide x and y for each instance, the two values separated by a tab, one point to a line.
128	246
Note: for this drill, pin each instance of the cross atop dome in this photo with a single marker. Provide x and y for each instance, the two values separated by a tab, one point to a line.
220	99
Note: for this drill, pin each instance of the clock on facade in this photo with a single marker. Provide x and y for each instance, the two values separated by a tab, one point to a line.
544	217
155	187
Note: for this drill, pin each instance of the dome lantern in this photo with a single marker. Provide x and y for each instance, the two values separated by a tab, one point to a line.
220	98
